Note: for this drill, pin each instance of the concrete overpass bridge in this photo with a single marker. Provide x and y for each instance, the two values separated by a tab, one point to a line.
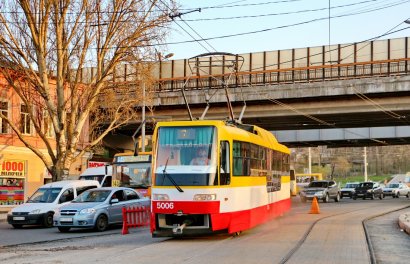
350	94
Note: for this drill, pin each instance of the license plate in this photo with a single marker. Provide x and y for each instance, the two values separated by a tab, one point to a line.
19	218
66	219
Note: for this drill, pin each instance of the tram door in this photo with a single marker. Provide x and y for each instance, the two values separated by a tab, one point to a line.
225	171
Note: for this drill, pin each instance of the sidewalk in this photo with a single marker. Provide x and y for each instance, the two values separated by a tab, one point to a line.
3	213
404	222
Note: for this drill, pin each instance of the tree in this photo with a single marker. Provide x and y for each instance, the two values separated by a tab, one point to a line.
46	47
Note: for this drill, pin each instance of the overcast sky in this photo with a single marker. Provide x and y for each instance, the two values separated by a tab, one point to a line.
283	24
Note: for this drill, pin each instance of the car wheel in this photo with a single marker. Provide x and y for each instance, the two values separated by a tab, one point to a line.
337	199
48	220
326	198
381	196
354	197
372	197
101	224
407	195
17	226
64	229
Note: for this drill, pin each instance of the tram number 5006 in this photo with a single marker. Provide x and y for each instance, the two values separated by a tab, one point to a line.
165	205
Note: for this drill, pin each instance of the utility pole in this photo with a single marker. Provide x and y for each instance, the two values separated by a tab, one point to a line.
365	164
310	161
143	118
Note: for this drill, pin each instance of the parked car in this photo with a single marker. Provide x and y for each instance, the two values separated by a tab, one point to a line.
40	207
396	190
368	190
322	190
349	189
98	208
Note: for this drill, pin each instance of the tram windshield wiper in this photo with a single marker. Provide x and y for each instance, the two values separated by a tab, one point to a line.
164	172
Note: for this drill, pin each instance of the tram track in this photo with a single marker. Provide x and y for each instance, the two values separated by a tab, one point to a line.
369	243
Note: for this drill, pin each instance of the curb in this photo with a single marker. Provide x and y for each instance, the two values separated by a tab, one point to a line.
404	222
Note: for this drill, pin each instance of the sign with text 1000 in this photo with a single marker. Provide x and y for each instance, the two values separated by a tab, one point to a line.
14	168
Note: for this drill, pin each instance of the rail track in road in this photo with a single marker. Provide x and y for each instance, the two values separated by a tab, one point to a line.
336	235
365	224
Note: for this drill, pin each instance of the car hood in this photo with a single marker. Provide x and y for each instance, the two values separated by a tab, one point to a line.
389	189
29	207
80	206
317	189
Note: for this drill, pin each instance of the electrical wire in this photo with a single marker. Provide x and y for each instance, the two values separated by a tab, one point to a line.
278	14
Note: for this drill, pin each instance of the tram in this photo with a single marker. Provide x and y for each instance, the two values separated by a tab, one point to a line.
133	171
216	177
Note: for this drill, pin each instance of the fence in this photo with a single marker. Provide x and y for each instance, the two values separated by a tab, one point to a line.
134	217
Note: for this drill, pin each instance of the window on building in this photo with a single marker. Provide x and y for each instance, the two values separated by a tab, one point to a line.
25	120
3	123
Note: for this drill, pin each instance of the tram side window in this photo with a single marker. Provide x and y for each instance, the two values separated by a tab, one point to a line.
249	159
241	158
224	161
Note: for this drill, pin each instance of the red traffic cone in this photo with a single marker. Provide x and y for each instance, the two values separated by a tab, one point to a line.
314	209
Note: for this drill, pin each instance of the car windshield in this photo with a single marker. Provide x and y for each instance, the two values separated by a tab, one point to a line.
44	195
366	184
91	196
318	184
393	185
351	185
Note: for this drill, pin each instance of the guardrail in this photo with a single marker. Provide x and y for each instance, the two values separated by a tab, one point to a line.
380	68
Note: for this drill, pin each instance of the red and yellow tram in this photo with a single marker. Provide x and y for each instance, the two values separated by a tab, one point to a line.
216	176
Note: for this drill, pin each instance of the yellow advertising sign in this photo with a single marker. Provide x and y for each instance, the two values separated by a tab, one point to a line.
13	168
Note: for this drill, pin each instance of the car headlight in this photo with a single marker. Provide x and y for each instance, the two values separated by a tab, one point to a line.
160	197
319	193
369	191
37	211
204	197
88	211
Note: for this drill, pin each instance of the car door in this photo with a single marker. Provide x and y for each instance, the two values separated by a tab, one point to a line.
332	189
115	209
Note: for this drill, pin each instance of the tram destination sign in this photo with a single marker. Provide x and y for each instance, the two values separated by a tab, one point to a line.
139	158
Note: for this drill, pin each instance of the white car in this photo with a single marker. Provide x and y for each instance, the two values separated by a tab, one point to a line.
396	190
40	207
349	189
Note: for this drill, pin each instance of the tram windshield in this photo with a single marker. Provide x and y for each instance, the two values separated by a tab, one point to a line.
187	156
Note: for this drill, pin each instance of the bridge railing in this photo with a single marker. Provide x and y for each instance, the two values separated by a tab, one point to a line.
289	75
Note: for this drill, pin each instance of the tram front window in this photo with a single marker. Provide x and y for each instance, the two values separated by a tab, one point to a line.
134	175
186	155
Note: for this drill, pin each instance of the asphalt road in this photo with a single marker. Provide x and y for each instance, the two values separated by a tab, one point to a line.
334	236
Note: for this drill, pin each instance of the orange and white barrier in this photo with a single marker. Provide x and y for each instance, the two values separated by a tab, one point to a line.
134	217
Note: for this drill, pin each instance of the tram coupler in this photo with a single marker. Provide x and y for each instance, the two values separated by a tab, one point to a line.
177	230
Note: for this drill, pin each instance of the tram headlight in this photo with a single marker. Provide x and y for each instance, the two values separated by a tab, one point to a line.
160	197
205	197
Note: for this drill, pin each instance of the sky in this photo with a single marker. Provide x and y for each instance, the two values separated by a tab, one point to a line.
282	24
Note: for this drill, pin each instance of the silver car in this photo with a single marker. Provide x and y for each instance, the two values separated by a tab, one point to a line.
98	208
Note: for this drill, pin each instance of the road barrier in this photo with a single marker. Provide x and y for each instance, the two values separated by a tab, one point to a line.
134	217
315	207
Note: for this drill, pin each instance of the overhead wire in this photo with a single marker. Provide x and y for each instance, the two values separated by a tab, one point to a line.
279	14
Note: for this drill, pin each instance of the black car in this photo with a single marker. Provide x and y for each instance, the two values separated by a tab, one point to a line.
368	190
